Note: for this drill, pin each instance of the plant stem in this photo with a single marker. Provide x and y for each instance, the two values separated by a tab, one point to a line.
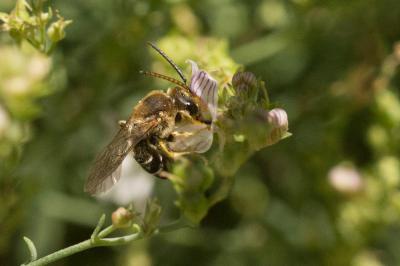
99	240
176	225
62	253
87	244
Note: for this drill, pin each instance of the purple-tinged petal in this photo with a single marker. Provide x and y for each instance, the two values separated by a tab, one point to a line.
194	66
205	87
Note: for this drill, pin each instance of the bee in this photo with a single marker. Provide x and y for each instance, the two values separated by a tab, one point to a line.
162	127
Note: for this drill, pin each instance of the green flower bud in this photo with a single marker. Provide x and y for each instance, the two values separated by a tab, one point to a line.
45	17
122	217
4	21
243	80
56	31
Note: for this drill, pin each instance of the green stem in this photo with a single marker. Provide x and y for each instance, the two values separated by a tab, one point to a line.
87	244
106	231
176	225
62	253
99	240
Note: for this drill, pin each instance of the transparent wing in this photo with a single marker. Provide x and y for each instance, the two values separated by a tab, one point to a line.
191	137
106	169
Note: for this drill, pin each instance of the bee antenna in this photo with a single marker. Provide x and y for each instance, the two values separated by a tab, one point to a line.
169	60
164	77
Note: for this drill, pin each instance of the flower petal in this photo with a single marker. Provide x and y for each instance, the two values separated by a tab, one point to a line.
191	138
204	86
278	120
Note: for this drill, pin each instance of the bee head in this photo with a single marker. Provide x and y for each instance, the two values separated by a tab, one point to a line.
184	100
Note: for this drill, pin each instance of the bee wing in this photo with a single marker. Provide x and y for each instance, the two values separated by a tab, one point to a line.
204	86
191	137
106	169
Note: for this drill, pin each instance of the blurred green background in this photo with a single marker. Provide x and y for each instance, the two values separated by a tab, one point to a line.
328	195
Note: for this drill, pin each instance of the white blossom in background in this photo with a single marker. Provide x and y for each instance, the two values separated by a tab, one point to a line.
4	121
135	186
38	67
25	70
18	85
345	179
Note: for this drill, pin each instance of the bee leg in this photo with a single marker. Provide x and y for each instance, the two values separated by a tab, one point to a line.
122	123
170	154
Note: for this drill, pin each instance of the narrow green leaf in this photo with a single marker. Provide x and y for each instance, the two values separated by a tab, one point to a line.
32	248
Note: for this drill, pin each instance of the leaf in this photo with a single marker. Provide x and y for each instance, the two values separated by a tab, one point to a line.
32	248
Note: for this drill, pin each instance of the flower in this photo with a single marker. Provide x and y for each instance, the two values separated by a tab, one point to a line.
243	80
345	179
56	31
4	121
206	87
278	120
122	217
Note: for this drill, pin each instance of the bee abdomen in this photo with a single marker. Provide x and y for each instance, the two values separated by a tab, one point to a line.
149	158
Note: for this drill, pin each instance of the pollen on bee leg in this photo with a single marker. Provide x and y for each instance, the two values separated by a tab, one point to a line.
167	152
122	123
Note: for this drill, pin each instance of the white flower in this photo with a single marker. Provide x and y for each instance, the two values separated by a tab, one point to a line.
4	121
135	186
345	179
17	85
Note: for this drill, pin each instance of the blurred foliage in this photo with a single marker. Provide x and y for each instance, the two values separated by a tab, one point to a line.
332	65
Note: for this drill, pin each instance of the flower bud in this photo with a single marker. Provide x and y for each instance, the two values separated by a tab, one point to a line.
122	217
45	17
278	120
56	31
243	80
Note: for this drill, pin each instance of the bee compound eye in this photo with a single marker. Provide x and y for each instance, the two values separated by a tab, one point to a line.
192	108
186	103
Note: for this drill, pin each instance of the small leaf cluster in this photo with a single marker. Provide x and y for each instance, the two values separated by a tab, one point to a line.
27	21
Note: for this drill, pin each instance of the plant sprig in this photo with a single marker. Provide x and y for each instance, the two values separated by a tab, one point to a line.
121	218
43	30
